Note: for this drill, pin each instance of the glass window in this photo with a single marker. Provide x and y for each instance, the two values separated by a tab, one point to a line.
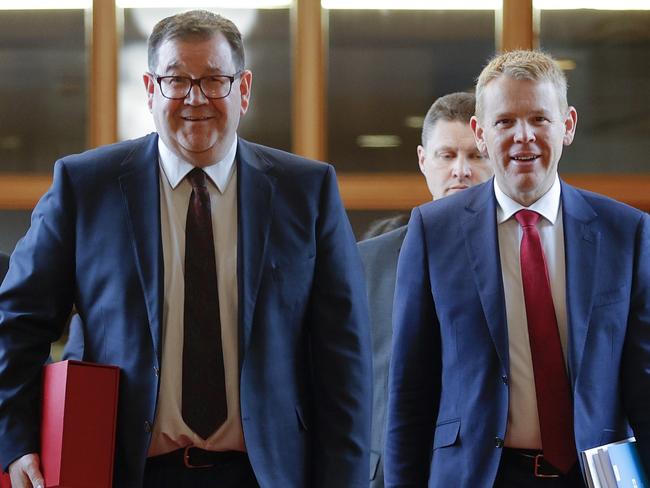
606	54
267	43
386	68
43	88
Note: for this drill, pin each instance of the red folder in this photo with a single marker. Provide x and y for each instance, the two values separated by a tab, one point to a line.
5	482
78	424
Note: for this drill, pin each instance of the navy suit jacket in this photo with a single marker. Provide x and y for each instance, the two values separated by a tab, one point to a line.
448	385
95	242
379	257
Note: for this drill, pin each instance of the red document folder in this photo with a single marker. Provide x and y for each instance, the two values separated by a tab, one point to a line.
78	424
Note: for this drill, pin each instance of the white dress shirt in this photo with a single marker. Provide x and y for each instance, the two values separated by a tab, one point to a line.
523	423
170	431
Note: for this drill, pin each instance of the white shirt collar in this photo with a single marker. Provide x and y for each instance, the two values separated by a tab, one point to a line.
176	168
547	205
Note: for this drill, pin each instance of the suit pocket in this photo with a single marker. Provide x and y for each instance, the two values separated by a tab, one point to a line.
302	422
374	464
612	435
609	297
446	433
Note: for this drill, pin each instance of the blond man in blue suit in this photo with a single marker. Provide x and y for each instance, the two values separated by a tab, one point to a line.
467	405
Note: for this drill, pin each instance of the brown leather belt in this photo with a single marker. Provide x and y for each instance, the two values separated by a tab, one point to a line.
193	457
530	459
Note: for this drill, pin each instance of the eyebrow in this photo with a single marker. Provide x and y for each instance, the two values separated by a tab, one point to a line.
444	149
177	65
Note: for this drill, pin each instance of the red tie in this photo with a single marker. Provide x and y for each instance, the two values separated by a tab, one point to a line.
554	403
204	406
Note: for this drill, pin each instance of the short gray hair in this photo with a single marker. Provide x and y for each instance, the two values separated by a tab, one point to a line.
195	25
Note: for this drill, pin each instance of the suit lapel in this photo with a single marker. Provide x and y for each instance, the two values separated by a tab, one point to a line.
256	187
481	238
581	248
140	187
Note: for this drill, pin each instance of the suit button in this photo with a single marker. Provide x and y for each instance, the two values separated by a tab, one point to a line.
147	426
504	378
498	442
156	371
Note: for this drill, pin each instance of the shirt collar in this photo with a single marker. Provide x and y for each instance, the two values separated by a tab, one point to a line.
547	205
176	168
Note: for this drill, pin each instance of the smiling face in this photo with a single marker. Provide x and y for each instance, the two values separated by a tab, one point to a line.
523	130
451	161
198	129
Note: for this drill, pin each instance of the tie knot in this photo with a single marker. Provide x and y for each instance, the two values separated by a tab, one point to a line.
527	218
196	177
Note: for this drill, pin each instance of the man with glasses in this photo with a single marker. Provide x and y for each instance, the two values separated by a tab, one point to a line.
221	276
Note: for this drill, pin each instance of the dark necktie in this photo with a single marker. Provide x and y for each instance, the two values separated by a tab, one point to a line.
554	403
204	405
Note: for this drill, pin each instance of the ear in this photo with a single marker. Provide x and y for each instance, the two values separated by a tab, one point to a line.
570	123
479	135
421	157
150	87
245	86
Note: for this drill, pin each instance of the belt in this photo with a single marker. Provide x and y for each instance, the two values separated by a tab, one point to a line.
531	460
193	457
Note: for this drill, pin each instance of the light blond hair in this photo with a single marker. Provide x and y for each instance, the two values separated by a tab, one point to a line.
523	65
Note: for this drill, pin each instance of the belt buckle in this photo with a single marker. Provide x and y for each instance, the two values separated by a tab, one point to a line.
538	464
188	464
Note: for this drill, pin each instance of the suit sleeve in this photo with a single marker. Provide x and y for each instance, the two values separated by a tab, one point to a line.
415	368
35	300
636	355
340	350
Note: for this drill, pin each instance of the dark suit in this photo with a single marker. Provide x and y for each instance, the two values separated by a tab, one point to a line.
74	346
95	242
448	386
4	265
379	257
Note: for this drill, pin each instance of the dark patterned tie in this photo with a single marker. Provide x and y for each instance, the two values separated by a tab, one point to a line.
554	403
204	405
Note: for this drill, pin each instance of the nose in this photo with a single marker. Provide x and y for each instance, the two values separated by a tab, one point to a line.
195	96
524	132
461	168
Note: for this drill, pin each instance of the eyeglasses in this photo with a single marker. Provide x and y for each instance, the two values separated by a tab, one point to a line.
179	87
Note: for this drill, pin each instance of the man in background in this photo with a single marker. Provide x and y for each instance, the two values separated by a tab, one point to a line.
522	308
450	162
221	276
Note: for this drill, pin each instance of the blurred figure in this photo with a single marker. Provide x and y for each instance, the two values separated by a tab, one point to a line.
450	162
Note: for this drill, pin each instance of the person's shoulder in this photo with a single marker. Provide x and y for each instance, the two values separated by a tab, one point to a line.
278	160
389	239
603	206
471	198
116	152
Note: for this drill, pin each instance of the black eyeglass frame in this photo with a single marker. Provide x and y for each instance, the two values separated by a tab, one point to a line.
197	82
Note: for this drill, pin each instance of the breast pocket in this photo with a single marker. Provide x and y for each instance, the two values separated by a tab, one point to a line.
293	280
446	433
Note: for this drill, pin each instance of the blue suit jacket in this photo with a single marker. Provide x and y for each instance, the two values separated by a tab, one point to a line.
95	242
448	386
379	257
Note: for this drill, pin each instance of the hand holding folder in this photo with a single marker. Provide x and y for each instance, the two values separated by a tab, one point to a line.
79	411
